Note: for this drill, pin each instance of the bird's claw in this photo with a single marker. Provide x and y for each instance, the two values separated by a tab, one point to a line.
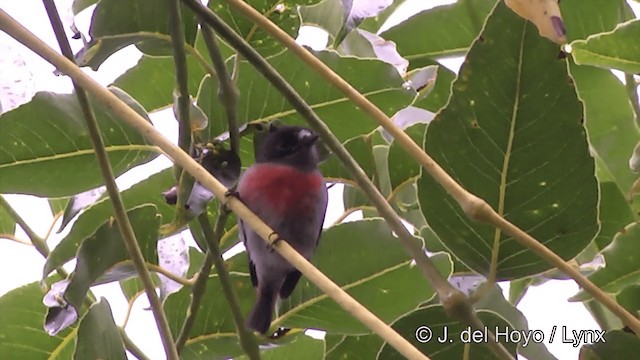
273	241
230	193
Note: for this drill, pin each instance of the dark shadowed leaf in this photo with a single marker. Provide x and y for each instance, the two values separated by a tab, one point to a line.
49	141
98	335
515	138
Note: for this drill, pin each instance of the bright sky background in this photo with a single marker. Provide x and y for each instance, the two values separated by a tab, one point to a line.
25	73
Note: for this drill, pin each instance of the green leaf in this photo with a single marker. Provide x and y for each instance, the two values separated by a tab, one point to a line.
494	301
7	223
374	23
99	255
48	141
145	23
401	166
585	17
79	5
329	15
261	102
384	280
300	347
98	335
515	138
434	321
617	49
148	191
281	12
615	345
622	268
152	80
615	214
444	30
21	327
439	95
352	347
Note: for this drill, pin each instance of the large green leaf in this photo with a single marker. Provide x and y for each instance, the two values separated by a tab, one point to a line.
622	259
300	346
47	150
282	12
515	138
21	328
384	280
585	17
148	191
615	214
440	337
352	347
441	31
98	335
261	102
145	23
618	49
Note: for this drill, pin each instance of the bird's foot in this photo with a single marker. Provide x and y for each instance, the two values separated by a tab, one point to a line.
273	238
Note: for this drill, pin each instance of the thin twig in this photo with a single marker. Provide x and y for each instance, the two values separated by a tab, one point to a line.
228	92
124	112
169	275
475	207
120	212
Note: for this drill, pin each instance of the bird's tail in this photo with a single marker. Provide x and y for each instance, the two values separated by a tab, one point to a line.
259	318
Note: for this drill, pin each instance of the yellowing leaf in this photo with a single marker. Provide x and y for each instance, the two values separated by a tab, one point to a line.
545	14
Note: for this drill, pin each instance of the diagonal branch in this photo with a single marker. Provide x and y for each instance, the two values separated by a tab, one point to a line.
122	220
475	207
120	109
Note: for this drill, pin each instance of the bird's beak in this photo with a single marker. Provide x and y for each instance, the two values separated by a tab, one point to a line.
308	139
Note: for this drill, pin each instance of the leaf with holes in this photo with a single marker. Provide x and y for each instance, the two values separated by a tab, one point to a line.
46	141
515	138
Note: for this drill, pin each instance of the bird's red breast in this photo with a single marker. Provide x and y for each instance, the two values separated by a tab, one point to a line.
284	187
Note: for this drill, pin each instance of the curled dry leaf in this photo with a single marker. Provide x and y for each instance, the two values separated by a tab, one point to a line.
544	14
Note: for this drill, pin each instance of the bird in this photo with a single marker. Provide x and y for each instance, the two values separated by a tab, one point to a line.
287	191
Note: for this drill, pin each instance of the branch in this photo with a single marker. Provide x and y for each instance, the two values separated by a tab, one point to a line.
131	346
124	225
228	92
475	207
120	109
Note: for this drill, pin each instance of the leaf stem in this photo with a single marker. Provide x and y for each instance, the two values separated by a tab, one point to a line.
131	346
119	210
474	207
